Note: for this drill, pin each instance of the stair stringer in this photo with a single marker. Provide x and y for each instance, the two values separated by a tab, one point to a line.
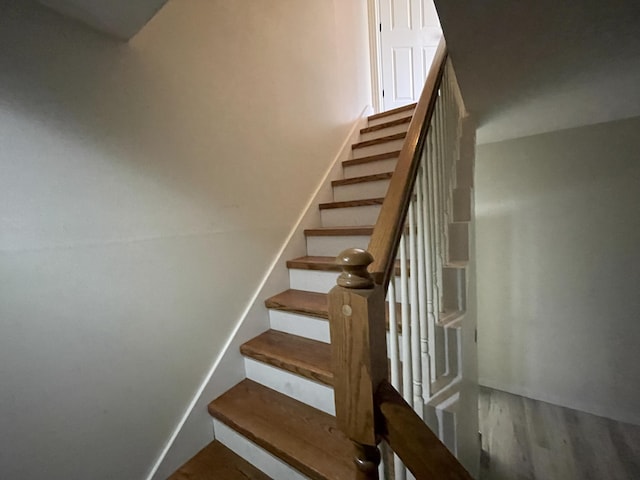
452	411
466	410
195	430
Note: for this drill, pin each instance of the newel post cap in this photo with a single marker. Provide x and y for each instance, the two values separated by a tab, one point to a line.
354	263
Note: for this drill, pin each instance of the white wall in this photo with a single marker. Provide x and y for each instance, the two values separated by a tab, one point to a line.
144	190
558	230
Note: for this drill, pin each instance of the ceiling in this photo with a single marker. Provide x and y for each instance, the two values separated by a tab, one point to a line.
533	66
120	18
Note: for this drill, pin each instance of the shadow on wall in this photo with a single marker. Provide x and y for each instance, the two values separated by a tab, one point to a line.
521	51
527	68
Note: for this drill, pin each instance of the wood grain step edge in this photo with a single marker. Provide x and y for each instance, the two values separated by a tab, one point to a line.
318	263
365	230
382	126
352	203
378	141
300	302
215	462
302	436
364	179
371	158
312	304
387	113
325	264
305	357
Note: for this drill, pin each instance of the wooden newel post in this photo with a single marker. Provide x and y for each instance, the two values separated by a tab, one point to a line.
359	355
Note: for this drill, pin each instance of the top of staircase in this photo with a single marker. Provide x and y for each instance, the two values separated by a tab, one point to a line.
388	113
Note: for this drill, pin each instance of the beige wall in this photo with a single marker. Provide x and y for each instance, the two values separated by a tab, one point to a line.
558	230
144	190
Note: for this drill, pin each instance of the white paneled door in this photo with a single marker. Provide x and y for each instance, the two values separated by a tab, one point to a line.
409	35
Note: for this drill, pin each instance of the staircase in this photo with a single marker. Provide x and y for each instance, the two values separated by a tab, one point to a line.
279	422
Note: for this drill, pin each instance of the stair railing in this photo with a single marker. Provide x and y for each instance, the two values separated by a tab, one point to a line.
410	238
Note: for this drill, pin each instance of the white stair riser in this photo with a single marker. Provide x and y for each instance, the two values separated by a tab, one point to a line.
358	191
378	148
384	132
301	325
350	216
322	281
300	388
312	280
255	455
331	246
370	168
390	118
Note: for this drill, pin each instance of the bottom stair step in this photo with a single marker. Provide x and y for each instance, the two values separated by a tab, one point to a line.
305	438
217	462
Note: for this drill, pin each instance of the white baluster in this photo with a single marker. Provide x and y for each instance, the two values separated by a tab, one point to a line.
407	384
437	205
416	362
422	284
394	354
429	259
399	470
443	233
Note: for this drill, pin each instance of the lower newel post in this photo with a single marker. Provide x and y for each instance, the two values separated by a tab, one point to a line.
359	356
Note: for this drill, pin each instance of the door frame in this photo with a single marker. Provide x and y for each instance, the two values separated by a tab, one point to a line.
375	55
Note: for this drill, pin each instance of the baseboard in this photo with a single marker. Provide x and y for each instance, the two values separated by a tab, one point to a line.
598	410
194	430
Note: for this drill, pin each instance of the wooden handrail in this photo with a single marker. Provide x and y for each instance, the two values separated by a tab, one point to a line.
388	229
413	441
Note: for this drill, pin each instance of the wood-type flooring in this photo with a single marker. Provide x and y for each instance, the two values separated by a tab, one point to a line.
524	439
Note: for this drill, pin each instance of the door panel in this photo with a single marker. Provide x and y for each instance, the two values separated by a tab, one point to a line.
402	62
400	15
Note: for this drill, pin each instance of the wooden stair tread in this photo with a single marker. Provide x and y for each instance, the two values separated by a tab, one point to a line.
352	203
327	264
404	108
216	462
339	231
299	301
316	305
304	437
378	141
366	178
371	158
306	357
382	126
